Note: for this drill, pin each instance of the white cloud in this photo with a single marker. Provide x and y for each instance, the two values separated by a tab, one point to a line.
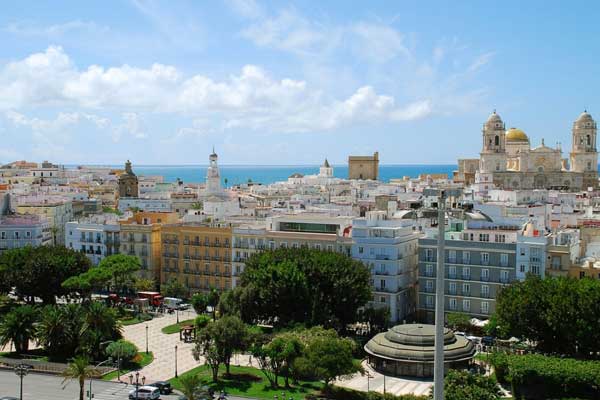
246	8
251	99
480	61
27	28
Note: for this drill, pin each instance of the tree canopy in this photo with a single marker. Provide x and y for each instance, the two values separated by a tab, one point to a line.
40	271
311	287
462	385
559	314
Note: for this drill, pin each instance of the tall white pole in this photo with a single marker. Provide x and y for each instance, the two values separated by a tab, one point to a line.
438	367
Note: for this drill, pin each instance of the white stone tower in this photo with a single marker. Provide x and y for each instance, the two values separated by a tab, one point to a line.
493	153
213	177
584	157
326	170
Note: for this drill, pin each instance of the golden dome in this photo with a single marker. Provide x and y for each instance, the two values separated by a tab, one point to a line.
516	135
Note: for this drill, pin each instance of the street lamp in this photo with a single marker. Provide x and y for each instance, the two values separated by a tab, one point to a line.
176	361
137	382
369	377
177	313
21	370
109	360
146	338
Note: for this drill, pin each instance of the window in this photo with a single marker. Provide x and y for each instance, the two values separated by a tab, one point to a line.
452	256
485	258
485	307
485	291
485	274
428	254
581	274
429	301
466	273
452	271
329	247
522	268
382	299
360	249
535	255
466	289
466	257
500	238
504	260
484	237
452	303
28	234
3	235
452	288
429	270
504	276
535	269
555	262
466	305
382	283
283	245
429	286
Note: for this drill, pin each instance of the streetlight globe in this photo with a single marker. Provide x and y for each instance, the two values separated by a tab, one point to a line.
143	380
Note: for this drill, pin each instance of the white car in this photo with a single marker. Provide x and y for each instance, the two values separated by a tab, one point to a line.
145	392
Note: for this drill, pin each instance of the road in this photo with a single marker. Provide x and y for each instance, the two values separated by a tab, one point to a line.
49	387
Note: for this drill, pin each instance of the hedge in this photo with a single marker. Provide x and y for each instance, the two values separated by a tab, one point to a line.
535	376
338	393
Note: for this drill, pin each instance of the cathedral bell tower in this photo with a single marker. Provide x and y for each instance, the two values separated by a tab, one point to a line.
493	153
584	156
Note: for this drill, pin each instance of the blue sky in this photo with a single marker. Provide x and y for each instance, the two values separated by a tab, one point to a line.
161	82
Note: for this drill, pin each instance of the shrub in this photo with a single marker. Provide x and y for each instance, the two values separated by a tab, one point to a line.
338	393
122	349
539	377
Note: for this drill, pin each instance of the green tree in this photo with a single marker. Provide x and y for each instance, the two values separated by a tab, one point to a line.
199	301
59	330
122	350
80	370
212	299
462	385
18	327
558	314
201	321
142	284
190	385
277	357
115	272
100	324
40	271
376	318
327	356
174	288
459	321
312	287
219	340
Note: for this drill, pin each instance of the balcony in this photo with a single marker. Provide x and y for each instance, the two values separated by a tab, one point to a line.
382	257
195	243
428	289
452	276
484	278
466	277
131	252
485	295
429	274
504	280
451	260
379	272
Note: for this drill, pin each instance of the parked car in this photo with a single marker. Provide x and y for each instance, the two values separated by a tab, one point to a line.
8	398
163	386
487	340
145	392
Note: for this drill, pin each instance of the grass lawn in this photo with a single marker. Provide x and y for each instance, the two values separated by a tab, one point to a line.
248	381
35	354
144	359
170	329
131	321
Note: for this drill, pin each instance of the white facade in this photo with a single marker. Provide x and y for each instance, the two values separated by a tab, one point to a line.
96	238
389	247
531	252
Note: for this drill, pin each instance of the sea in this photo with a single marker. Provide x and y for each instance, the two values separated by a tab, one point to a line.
266	174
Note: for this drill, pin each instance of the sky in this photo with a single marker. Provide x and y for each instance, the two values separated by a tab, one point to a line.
271	83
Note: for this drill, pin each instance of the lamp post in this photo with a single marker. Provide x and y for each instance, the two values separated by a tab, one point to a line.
369	377
176	361
177	313
21	370
146	338
137	382
109	360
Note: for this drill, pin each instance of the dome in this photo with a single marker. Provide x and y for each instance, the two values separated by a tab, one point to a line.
296	175
415	343
494	117
584	116
516	135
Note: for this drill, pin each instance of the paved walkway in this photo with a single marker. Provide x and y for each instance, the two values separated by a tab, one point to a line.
162	346
393	385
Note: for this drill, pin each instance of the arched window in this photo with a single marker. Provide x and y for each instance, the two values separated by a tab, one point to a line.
589	140
497	140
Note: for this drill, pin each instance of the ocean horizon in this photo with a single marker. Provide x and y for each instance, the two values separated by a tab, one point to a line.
266	174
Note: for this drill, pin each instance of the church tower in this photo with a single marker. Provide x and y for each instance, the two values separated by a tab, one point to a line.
128	182
584	157
493	153
326	170
213	177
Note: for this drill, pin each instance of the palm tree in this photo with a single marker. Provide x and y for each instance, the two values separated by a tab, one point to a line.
18	327
190	385
101	324
81	370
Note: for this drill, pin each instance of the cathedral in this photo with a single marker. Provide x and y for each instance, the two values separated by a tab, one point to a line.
507	160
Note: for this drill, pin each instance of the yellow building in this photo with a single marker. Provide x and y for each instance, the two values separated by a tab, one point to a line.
198	255
57	211
363	167
140	236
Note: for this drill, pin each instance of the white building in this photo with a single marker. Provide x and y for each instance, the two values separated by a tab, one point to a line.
531	252
97	236
389	247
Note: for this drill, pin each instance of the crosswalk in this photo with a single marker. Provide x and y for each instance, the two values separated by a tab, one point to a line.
111	393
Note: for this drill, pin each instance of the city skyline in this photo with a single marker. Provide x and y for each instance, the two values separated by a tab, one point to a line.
287	84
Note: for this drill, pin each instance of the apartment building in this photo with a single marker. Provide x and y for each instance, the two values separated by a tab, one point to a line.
23	230
478	263
562	252
389	247
140	236
198	255
96	236
57	210
247	239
